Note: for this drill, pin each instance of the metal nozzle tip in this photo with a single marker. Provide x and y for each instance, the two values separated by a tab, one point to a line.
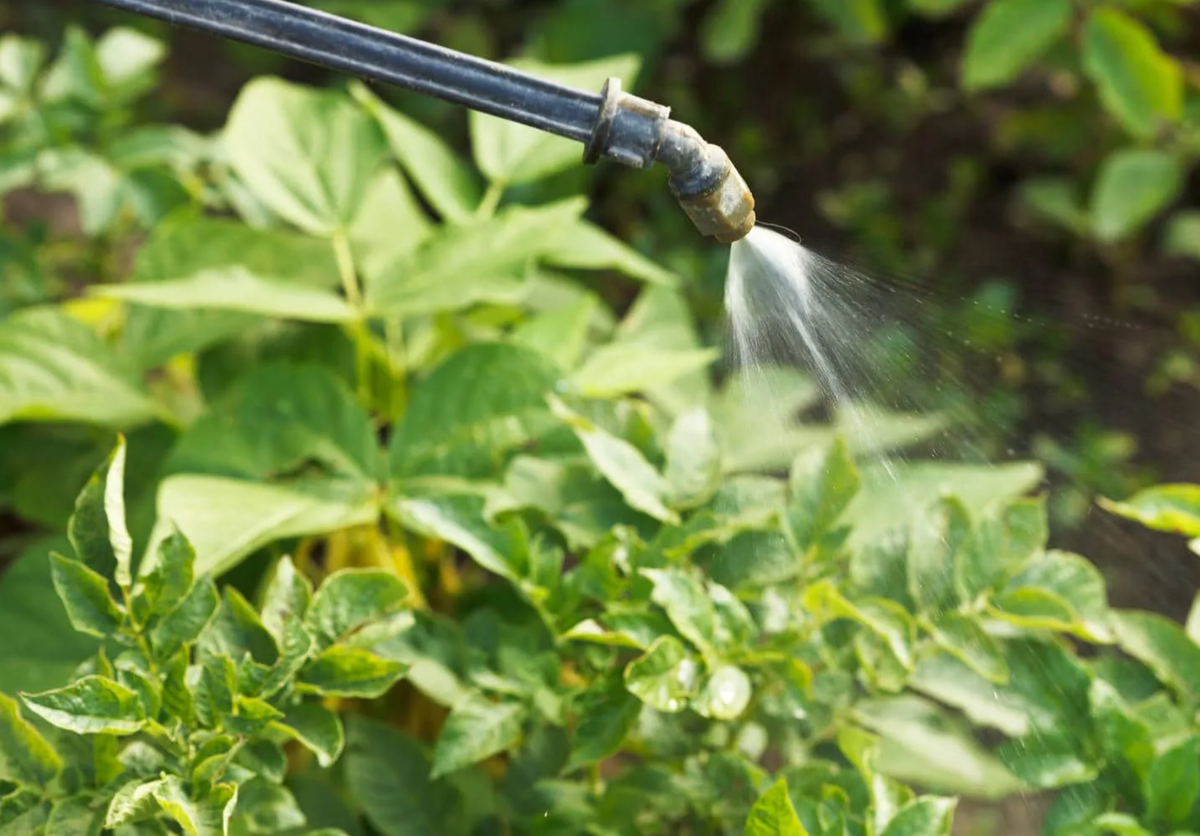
724	210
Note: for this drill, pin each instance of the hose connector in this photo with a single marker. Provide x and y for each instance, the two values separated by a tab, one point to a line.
638	133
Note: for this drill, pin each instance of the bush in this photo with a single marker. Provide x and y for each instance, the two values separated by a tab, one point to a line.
621	594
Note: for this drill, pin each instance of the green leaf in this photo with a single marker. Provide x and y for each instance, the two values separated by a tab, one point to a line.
1162	646
458	266
90	705
1173	784
1046	760
389	776
886	619
449	185
460	520
475	730
135	801
286	599
623	368
1057	201
823	483
508	152
237	632
235	288
1008	36
169	582
97	528
1002	542
85	596
1137	82
1071	581
688	605
75	816
936	543
317	729
924	816
309	155
350	599
621	464
25	756
57	369
485	400
693	471
725	694
1133	186
1173	508
774	815
965	638
41	649
351	672
607	713
559	334
205	816
1181	238
187	621
859	21
585	246
731	29
664	677
389	225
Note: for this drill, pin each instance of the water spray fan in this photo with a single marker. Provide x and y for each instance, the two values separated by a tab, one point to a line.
611	124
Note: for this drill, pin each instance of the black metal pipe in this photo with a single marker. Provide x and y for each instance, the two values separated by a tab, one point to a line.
375	54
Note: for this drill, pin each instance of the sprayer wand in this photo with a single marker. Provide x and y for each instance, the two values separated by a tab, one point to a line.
612	124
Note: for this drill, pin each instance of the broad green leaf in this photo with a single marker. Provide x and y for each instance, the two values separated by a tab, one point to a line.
1138	83
459	266
485	400
1119	824
351	672
351	599
607	713
924	816
388	774
20	60
237	631
945	677
936	545
725	694
205	816
560	334
188	620
449	185
1002	542
75	816
54	368
754	559
1182	235
585	246
621	464
885	618
756	414
41	649
664	677
774	815
460	520
622	368
1173	508
475	730
661	319
316	728
1009	35
1173	784
687	604
731	28
1047	759
133	802
235	289
508	152
286	599
97	528
309	155
823	483
227	519
1162	646
85	596
90	705
267	807
169	582
965	638
1035	595
859	21
693	471
389	225
25	756
1133	186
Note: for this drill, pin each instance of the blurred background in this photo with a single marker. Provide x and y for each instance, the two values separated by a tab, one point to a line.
1023	175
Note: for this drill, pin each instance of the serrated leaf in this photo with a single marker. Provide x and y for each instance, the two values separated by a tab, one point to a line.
1137	82
621	464
1132	187
317	729
350	599
823	483
447	183
25	756
774	815
308	154
351	672
664	677
475	730
184	624
90	705
85	596
1009	35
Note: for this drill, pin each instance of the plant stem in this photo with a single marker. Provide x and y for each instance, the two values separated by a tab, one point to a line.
491	199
